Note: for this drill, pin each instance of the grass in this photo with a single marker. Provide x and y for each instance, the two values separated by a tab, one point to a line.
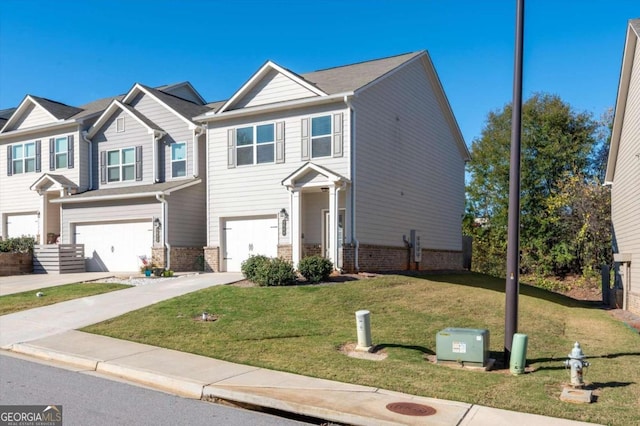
28	300
300	330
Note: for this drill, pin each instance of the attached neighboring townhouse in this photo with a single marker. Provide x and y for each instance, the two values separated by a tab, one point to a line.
623	173
363	164
121	176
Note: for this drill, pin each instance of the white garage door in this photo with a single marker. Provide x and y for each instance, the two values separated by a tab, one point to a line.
247	237
115	246
19	225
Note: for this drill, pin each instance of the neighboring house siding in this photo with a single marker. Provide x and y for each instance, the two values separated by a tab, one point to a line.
109	211
407	157
176	128
187	217
625	191
274	87
184	92
257	190
32	117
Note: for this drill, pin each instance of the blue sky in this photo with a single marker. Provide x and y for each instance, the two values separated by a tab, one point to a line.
74	52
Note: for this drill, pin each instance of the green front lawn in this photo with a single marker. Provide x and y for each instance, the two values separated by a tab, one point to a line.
28	299
300	329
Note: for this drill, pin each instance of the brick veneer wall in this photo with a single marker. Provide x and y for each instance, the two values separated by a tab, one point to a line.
15	264
311	250
211	259
182	258
285	252
374	258
634	303
157	256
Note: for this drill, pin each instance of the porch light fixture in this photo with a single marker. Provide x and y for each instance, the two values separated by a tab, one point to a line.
283	214
284	217
324	189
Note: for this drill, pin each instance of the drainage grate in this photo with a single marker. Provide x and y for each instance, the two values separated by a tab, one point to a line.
411	409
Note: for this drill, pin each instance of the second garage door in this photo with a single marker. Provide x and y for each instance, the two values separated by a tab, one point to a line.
115	246
20	225
247	237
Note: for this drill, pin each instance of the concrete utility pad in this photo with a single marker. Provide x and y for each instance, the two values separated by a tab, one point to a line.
578	396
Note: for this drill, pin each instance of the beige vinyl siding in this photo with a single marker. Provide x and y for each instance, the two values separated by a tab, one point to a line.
108	139
313	205
176	128
125	210
625	191
257	190
274	87
409	171
187	217
33	116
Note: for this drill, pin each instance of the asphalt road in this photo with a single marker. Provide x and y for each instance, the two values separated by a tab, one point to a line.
89	400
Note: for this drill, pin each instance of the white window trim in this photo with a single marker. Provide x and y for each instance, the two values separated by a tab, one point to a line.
121	165
255	143
311	137
64	152
176	161
120	125
24	158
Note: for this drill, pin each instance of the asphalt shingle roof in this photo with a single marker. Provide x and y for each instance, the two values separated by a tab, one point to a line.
185	108
57	109
149	189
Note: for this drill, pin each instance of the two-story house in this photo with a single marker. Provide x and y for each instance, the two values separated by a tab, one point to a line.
124	176
623	172
363	164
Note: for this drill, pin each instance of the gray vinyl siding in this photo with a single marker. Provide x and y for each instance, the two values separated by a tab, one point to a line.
625	191
274	87
409	169
257	190
108	139
187	217
184	92
107	211
32	117
176	128
313	205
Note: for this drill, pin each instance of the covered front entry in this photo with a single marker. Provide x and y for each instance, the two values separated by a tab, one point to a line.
115	246
248	237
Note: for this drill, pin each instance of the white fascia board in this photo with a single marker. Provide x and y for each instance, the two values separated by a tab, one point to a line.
297	103
258	75
115	104
36	129
23	105
66	200
137	87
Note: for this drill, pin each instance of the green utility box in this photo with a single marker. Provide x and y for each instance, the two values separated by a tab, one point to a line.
463	345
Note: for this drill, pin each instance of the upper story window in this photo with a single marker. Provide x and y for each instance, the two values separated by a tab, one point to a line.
255	144
121	165
22	158
178	159
321	136
61	153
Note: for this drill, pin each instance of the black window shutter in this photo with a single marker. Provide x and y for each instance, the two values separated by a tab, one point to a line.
52	154
38	156
9	161
103	167
139	162
70	149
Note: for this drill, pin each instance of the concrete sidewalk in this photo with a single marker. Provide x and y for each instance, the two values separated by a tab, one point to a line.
199	377
19	283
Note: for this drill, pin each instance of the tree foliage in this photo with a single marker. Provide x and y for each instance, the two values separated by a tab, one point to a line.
564	210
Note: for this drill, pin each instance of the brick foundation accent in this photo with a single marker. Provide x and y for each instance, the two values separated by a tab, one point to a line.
311	250
15	264
183	259
285	252
211	259
374	258
157	256
634	302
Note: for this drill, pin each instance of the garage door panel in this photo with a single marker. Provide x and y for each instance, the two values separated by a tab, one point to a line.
19	225
249	237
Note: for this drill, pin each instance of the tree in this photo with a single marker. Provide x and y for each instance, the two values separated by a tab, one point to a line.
559	156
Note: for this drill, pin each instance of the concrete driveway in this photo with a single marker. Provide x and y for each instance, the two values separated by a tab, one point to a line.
19	283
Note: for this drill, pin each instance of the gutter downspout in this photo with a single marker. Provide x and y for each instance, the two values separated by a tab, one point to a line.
197	132
352	126
165	232
84	134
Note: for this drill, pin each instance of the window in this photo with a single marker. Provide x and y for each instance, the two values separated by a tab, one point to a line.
23	158
121	165
61	153
178	159
255	144
321	136
120	124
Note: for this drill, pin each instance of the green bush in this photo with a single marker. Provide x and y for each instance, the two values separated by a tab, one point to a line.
250	266
17	245
315	268
275	272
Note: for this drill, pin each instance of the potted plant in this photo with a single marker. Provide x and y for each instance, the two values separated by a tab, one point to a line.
146	267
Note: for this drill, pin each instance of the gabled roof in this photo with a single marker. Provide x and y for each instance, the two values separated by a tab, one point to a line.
633	33
169	88
56	110
5	114
117	105
305	169
128	192
55	181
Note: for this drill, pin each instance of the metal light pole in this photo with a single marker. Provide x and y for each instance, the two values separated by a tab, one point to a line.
513	240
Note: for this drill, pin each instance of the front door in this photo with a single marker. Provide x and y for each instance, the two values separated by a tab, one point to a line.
326	236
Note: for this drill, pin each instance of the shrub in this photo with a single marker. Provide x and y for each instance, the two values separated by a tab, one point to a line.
275	272
250	266
17	245
315	268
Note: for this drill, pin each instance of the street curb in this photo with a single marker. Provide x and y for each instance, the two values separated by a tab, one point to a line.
51	355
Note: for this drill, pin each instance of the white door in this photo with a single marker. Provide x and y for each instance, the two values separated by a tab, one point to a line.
326	236
115	246
19	225
248	237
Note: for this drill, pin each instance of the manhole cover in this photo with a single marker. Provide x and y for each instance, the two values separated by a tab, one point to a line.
411	409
